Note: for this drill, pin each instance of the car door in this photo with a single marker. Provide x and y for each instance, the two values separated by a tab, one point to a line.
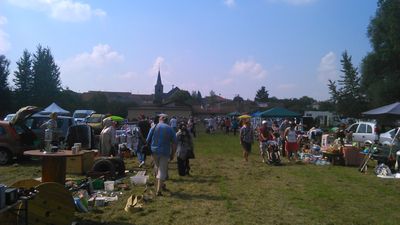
353	130
364	133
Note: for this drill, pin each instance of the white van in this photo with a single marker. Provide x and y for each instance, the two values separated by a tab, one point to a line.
81	115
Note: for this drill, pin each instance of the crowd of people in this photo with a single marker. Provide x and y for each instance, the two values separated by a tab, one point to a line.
164	139
159	138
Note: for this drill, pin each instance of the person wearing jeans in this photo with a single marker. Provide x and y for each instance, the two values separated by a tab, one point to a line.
162	141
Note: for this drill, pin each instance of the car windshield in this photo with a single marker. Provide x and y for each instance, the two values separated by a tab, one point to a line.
94	120
80	115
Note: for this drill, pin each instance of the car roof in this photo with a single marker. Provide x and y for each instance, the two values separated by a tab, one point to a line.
48	116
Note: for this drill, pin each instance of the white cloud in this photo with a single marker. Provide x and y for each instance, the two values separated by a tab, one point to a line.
230	3
327	68
158	62
227	81
63	10
93	70
249	68
5	44
101	54
294	2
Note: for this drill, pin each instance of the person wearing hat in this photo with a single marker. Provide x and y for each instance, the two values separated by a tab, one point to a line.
246	135
162	141
291	145
265	135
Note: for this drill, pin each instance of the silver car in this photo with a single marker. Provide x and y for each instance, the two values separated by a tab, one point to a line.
387	138
364	132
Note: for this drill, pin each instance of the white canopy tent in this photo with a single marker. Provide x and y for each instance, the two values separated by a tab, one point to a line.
53	107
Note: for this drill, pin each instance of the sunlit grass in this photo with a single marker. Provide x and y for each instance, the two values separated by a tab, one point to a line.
223	189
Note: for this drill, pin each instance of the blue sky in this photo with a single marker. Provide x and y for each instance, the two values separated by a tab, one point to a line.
292	47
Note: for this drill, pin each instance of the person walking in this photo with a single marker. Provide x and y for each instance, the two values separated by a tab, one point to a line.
192	126
235	125
291	145
173	122
264	136
285	124
184	150
143	148
227	125
246	138
162	140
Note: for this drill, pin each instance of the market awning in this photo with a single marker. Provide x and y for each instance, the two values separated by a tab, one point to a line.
387	110
279	112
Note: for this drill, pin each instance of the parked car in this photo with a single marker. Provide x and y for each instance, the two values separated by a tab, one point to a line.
365	132
16	137
63	123
9	117
96	122
80	115
387	138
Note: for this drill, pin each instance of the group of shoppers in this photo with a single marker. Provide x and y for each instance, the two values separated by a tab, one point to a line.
164	142
270	134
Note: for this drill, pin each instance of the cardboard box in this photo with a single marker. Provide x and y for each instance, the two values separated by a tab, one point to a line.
352	155
80	164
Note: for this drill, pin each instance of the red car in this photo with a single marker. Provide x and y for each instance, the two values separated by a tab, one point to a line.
15	136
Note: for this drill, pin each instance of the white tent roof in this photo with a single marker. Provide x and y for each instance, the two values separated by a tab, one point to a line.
55	108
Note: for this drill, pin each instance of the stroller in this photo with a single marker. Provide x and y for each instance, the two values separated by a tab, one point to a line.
273	153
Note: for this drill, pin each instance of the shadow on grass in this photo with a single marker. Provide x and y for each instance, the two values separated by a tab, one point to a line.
91	222
26	161
197	179
189	197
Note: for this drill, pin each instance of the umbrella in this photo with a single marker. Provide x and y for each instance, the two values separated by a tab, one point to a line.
244	117
116	118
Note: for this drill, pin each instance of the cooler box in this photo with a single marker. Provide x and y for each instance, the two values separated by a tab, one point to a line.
80	164
352	155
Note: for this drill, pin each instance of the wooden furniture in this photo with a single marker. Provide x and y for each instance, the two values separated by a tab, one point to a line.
80	164
336	158
53	164
352	155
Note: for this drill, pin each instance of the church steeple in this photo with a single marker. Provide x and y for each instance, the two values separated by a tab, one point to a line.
159	78
158	90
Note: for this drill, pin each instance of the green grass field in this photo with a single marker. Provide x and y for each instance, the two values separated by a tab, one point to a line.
223	189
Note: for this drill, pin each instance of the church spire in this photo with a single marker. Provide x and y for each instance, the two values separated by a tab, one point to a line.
159	78
158	90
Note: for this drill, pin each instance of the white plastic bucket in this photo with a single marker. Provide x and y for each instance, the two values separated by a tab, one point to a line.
139	180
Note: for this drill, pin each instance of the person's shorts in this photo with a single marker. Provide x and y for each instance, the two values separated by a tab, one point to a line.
291	147
246	146
161	166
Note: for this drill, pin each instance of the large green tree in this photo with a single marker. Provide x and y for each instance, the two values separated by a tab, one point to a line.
347	93
46	77
381	67
5	92
261	95
23	80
